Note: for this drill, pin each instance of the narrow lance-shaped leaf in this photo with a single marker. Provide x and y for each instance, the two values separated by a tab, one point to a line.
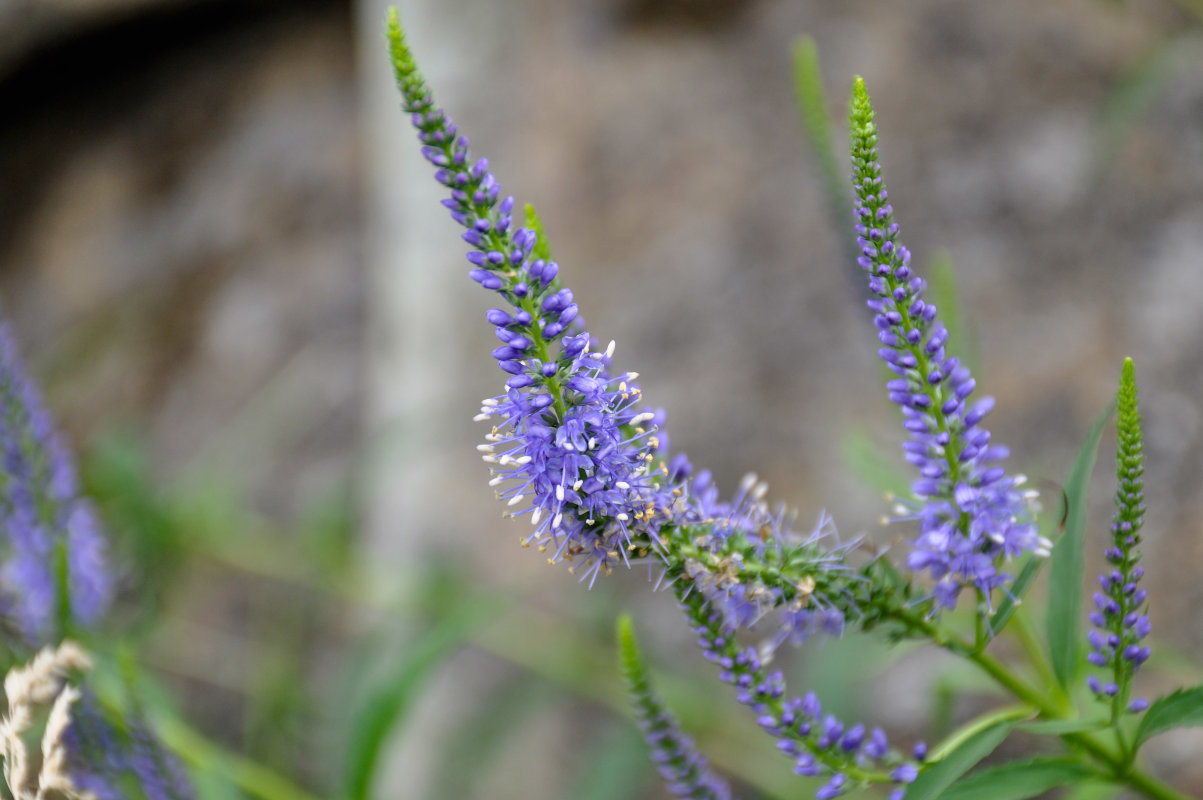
542	248
964	754
816	126
1182	709
389	704
1068	569
946	296
1019	780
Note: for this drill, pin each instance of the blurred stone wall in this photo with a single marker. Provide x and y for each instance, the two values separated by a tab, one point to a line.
206	207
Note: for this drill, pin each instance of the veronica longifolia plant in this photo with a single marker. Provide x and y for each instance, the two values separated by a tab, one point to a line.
575	453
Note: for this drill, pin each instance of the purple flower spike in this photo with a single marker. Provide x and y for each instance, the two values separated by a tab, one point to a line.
1121	617
570	448
43	517
819	745
971	514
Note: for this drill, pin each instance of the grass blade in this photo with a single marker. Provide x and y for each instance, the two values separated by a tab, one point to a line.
388	705
1068	568
1019	780
960	754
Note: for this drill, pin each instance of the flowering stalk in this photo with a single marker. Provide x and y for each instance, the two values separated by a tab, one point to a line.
571	448
570	439
53	571
1120	617
971	514
683	768
820	745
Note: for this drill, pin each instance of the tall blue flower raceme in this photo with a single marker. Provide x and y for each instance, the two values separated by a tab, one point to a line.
1120	617
971	514
684	769
820	745
53	571
571	447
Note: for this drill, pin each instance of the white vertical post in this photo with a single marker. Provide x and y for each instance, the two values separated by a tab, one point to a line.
415	319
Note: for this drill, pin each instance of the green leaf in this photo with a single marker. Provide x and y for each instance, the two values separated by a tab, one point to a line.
542	248
1129	97
387	706
1182	709
961	752
1057	727
1094	790
1018	780
1068	568
942	289
816	128
482	736
1023	582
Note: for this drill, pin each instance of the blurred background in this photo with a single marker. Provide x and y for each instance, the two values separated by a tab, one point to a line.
231	275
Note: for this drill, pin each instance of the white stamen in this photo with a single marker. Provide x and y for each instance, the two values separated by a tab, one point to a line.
560	493
610	348
535	517
555	522
515	500
623	485
639	419
484	448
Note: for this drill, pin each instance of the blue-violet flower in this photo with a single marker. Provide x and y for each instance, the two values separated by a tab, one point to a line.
971	513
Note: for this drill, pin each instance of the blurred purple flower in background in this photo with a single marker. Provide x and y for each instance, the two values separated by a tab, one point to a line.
53	570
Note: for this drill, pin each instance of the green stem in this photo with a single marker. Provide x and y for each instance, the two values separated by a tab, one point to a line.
1116	763
1022	625
249	776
